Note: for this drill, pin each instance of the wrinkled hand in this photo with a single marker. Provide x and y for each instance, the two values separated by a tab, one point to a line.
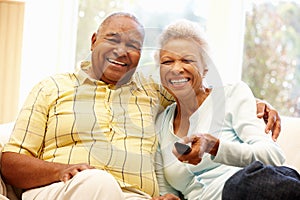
200	144
270	116
70	171
168	196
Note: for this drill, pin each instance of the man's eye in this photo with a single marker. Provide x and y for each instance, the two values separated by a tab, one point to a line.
166	62
112	40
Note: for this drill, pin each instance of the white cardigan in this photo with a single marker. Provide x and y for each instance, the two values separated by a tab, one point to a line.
228	113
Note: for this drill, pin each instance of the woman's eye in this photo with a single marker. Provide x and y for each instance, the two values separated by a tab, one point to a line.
187	61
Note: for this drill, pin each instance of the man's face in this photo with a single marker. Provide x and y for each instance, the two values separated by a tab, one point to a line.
116	50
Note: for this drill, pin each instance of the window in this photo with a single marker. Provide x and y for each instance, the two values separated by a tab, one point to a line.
154	15
259	46
271	58
223	21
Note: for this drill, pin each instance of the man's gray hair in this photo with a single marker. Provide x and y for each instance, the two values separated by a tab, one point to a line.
122	14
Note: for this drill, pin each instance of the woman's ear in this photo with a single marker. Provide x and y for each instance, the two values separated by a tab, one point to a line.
205	72
93	40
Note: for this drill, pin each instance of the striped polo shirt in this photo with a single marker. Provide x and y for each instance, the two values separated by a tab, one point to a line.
71	118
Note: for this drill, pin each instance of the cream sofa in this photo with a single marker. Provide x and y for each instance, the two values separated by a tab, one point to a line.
289	140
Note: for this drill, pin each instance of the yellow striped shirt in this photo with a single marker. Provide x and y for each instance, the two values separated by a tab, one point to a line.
71	118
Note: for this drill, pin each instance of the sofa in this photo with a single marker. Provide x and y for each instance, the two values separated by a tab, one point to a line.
289	140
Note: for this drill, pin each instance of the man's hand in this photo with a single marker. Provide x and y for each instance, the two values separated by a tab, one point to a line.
270	116
72	170
168	196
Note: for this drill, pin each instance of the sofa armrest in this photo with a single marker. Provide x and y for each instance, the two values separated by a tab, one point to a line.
3	190
289	141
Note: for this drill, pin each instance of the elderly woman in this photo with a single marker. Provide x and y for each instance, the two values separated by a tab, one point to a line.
230	136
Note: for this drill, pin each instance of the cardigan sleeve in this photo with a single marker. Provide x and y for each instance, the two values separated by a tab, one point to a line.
164	186
254	144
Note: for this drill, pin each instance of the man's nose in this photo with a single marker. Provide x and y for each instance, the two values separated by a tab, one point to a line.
120	50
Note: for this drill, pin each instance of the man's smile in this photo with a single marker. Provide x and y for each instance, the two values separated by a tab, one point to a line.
115	62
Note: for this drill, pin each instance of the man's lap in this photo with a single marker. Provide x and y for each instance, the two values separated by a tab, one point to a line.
88	184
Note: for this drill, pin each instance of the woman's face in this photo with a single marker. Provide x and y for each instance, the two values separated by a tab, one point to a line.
181	67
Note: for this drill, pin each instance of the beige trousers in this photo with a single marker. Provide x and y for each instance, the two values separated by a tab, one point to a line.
92	184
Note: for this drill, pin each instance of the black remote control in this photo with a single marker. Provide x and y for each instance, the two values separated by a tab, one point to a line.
182	148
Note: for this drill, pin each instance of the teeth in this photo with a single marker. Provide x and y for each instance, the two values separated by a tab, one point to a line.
116	62
179	81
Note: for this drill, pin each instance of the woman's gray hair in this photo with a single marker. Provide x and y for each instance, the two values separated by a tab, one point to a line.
185	29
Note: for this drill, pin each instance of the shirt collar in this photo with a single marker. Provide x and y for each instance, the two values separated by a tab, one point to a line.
83	77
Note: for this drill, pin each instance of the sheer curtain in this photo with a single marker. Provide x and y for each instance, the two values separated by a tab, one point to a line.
45	46
11	29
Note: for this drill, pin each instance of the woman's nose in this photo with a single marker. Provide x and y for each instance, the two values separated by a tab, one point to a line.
177	68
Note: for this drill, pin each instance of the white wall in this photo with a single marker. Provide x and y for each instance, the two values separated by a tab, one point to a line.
49	40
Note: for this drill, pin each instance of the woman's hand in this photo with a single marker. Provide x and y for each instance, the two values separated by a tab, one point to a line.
270	116
202	143
168	196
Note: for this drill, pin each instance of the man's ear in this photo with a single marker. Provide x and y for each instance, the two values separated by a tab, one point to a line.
93	40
